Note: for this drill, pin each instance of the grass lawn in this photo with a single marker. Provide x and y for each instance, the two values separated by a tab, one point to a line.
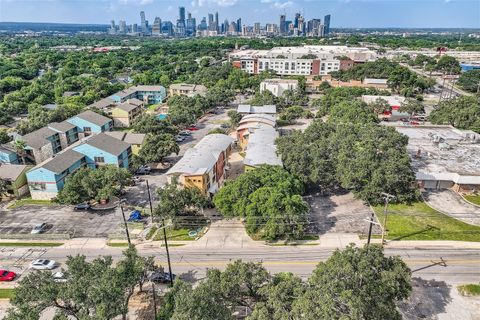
30	244
473	199
469	289
6	293
172	234
420	222
117	244
29	201
152	107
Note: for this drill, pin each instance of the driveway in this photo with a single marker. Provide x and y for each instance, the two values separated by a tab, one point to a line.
339	213
226	234
61	220
451	203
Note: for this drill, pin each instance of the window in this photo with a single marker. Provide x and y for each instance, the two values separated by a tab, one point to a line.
99	159
87	129
38	186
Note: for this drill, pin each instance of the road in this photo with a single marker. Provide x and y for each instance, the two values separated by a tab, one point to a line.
460	265
439	81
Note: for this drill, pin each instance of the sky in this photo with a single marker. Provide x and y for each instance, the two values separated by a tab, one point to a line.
345	13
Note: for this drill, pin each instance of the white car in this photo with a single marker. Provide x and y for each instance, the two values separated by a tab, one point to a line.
59	277
39	228
43	264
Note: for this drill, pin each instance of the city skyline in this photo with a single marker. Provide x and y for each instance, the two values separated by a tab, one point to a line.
347	13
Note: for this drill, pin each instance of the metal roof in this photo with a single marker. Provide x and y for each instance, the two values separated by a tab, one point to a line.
261	148
203	156
246	108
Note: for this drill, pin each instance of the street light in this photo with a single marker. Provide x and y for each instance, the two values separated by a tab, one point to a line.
387	198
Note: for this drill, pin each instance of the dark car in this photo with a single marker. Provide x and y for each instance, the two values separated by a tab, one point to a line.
161	277
82	206
143	170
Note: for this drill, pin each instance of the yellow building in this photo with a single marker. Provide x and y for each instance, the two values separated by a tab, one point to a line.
187	89
125	114
135	140
204	166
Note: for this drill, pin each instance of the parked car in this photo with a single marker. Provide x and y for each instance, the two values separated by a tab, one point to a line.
179	139
191	128
43	264
185	133
59	276
39	228
224	126
82	206
6	275
161	277
143	170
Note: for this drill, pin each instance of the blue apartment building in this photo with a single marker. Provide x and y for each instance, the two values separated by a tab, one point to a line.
89	122
48	178
8	154
147	94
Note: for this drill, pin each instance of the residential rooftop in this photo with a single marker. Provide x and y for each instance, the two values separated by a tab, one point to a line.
61	161
11	172
107	143
93	117
188	86
63	126
267	109
38	138
128	137
261	148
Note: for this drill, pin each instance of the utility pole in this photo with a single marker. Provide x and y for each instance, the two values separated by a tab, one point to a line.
126	226
387	198
168	254
370	228
150	201
154	302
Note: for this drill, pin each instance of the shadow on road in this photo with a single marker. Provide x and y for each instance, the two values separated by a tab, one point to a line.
428	299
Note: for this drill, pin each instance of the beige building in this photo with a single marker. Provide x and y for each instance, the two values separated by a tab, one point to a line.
187	89
278	86
125	114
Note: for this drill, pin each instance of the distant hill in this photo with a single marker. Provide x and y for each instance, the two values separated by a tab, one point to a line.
51	27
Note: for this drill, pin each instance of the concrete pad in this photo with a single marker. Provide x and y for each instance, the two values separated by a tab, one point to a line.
452	204
339	240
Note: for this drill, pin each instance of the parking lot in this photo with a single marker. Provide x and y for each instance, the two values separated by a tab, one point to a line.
61	220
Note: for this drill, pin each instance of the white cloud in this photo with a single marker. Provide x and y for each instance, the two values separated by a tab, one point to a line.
221	3
137	2
282	5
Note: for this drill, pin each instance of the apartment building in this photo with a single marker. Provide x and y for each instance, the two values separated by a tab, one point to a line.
46	179
306	60
125	114
278	86
205	165
16	180
135	140
89	122
147	94
187	89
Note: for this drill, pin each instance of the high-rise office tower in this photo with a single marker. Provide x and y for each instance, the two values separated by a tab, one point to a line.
283	25
167	28
295	21
216	21
157	26
203	24
326	23
181	13
239	25
211	22
225	26
122	27
256	28
134	28
301	25
191	27
112	24
143	22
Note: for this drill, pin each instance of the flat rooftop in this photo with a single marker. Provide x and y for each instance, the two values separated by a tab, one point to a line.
440	151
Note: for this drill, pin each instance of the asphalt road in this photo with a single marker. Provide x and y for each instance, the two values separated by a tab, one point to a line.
454	266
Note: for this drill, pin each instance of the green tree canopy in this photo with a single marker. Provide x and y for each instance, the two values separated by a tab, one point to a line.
462	112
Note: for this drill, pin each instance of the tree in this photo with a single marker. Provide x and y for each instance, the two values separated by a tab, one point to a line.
235	117
93	290
150	124
448	65
462	112
3	187
176	203
355	284
412	107
470	81
87	184
157	147
19	146
4	137
269	198
380	106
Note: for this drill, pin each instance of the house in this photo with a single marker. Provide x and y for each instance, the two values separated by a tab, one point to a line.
260	148
125	114
135	140
89	122
248	109
187	89
278	86
148	94
8	154
205	165
103	104
102	149
46	179
15	176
